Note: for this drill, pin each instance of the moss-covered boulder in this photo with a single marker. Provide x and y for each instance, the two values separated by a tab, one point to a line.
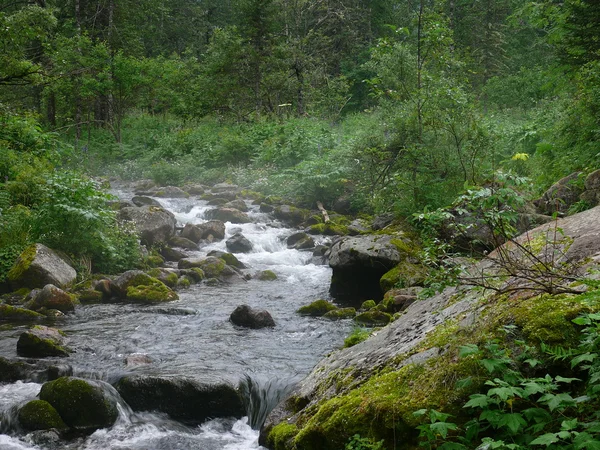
266	275
40	415
82	404
229	258
238	204
137	286
328	229
291	215
373	318
227	215
38	266
403	275
52	297
40	342
154	261
10	313
367	305
300	241
340	313
195	274
89	296
213	267
182	399
317	308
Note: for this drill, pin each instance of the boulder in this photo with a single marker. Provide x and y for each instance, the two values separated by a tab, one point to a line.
11	371
182	242
213	267
238	204
137	286
40	342
358	226
40	415
591	195
300	241
137	359
227	215
317	308
182	399
10	313
140	200
291	215
143	185
82	404
154	224
266	208
194	189
90	296
171	192
245	316
229	258
561	195
403	275
266	275
217	201
192	232
196	233
103	286
38	266
172	254
51	297
373	318
359	262
382	221
238	243
224	187
340	313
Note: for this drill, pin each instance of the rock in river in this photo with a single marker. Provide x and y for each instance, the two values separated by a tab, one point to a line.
244	316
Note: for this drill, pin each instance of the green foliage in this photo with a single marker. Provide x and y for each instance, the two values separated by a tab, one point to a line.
358	335
522	410
359	443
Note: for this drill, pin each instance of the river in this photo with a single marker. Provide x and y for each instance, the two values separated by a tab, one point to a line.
192	337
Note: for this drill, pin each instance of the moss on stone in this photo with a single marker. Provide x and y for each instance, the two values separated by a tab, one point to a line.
231	260
212	267
373	317
368	304
22	264
403	275
40	415
154	261
199	274
317	308
32	344
328	229
340	313
281	435
90	296
356	337
184	282
146	289
80	404
267	275
15	314
406	247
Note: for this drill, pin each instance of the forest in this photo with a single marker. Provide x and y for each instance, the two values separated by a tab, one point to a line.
411	109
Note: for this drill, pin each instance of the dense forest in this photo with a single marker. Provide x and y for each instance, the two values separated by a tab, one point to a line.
413	109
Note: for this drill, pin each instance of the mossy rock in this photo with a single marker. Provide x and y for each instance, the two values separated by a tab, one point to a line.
340	313
14	314
40	342
367	305
328	229
212	282
403	275
357	336
40	415
184	282
154	261
317	308
81	404
281	435
373	317
11	371
90	296
267	275
211	266
154	292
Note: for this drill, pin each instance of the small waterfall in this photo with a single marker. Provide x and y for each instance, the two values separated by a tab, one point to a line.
261	395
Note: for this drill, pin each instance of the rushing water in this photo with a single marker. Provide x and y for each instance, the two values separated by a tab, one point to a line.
193	337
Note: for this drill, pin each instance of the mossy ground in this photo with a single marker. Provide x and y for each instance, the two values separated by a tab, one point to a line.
381	406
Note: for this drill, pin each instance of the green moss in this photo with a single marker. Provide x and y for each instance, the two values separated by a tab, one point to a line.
199	274
373	317
267	275
90	296
151	291
184	282
340	313
154	261
317	308
155	272
281	435
79	403
328	229
22	263
406	247
15	314
403	275
213	267
356	337
32	345
40	415
368	304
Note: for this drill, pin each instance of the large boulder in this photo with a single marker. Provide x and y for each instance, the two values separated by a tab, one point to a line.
155	225
300	241
238	204
38	266
182	242
82	404
214	228
245	316
52	297
359	262
291	215
238	243
171	192
183	399
172	254
227	215
141	200
40	342
229	258
561	195
138	286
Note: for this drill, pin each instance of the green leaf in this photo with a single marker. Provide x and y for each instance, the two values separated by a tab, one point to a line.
469	349
442	428
477	401
565	380
545	439
514	422
589	357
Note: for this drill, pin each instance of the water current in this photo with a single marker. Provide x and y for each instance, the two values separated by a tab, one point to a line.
192	337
